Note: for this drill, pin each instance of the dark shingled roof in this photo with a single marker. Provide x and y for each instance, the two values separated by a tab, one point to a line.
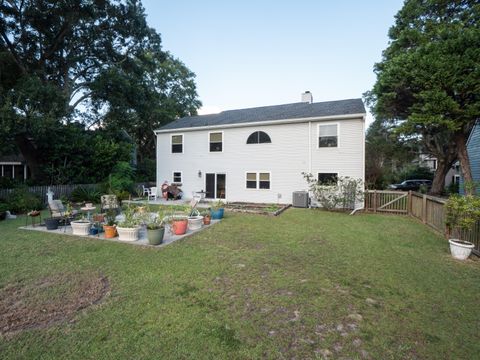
269	113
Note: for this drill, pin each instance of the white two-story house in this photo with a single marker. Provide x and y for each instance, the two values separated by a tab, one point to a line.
259	154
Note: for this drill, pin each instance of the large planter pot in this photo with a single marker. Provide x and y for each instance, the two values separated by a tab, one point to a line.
51	224
155	237
179	226
217	214
127	234
80	227
195	222
460	249
207	219
110	231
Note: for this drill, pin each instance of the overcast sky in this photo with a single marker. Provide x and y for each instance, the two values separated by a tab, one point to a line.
255	53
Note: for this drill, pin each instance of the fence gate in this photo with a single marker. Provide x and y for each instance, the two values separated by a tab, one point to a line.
393	202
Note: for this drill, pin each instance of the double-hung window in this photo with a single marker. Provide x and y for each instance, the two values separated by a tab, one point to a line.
177	143
215	140
327	135
258	180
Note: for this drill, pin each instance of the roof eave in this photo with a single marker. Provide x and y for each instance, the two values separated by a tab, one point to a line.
268	122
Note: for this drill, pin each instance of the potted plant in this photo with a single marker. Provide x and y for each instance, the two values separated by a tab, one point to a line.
156	229
207	218
128	228
81	227
195	220
3	211
178	223
217	210
110	228
51	223
462	212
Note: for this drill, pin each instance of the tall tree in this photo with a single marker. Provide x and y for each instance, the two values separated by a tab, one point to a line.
386	153
429	78
54	54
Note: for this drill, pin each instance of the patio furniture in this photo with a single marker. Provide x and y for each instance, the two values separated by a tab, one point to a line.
109	202
199	195
146	191
153	194
88	209
57	209
33	215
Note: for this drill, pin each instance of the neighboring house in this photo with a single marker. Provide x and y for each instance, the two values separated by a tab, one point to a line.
258	154
429	161
473	150
14	167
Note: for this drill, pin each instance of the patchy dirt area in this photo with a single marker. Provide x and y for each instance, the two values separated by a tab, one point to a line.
49	300
254	208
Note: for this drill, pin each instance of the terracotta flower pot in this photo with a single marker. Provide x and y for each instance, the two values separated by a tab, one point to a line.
110	231
99	218
179	227
206	220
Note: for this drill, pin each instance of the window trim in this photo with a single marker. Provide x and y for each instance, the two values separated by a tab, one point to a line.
183	143
338	134
259	143
257	180
181	177
324	172
208	142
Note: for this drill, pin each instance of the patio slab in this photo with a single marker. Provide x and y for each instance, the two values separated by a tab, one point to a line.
167	239
161	201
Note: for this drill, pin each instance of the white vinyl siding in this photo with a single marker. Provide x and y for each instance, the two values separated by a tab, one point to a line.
290	153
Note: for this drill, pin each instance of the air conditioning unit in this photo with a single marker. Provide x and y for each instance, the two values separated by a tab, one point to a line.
300	199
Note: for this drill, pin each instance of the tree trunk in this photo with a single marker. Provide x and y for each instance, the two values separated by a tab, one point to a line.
438	183
461	142
29	153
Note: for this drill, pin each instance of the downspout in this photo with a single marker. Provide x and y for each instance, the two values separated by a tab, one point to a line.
362	207
310	147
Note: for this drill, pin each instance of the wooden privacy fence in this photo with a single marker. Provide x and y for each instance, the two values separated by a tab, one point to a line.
428	209
59	190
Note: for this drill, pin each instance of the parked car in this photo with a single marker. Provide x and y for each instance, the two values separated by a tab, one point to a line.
413	185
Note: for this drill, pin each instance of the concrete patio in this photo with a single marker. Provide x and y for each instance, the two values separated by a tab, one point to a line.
167	239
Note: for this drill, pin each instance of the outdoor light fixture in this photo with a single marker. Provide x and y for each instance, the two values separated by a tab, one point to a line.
199	173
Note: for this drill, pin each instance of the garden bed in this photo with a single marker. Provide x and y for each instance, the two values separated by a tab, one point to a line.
253	208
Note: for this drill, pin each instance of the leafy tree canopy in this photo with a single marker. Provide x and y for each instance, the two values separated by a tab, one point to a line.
97	62
429	77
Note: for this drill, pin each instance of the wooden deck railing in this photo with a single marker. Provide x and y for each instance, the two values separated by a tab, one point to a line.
428	209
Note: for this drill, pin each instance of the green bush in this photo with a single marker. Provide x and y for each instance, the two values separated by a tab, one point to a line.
20	200
85	194
120	180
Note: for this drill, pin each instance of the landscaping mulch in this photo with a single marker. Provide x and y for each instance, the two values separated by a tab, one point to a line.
49	300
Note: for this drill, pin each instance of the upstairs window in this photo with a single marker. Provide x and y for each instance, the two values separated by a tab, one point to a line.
216	141
259	137
327	178
328	135
177	143
258	180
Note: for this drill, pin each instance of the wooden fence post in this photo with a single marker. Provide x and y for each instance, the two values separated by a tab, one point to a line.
374	201
424	209
409	203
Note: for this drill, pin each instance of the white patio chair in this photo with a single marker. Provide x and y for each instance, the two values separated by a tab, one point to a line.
153	193
146	191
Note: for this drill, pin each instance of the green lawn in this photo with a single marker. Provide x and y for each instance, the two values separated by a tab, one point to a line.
306	284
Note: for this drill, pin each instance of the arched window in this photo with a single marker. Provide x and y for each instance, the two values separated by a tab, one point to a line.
258	137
